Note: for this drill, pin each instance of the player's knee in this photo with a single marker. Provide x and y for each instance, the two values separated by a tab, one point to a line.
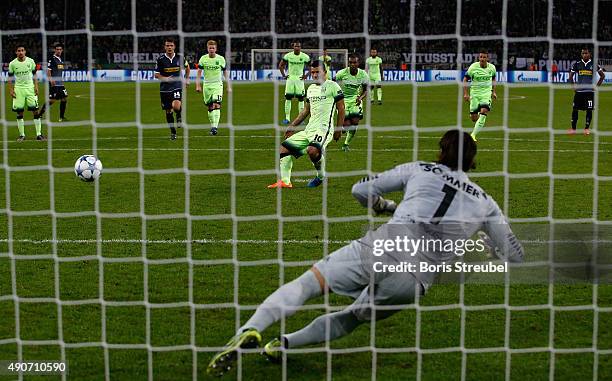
314	153
288	97
355	121
20	115
484	111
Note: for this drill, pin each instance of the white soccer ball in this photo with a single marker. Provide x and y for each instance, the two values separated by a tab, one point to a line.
88	168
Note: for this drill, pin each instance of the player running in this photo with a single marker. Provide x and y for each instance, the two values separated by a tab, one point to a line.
375	70
482	74
323	98
168	72
354	84
440	202
212	64
57	91
294	88
584	94
22	70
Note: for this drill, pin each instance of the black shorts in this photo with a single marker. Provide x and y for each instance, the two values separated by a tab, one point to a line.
58	92
584	100
167	97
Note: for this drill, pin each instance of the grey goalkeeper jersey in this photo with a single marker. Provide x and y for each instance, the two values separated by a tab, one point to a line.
438	203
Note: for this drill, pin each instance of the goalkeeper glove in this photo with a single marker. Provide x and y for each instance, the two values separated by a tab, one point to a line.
382	206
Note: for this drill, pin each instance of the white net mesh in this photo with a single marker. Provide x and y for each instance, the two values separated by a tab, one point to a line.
196	265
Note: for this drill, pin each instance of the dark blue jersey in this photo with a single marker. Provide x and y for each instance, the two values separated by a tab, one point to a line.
56	65
583	75
170	67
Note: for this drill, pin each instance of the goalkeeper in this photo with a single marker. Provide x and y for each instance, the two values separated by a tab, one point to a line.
439	201
323	98
482	74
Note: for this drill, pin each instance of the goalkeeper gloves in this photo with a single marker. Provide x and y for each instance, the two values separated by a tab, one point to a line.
382	206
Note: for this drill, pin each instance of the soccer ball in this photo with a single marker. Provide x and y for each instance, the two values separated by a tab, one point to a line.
88	168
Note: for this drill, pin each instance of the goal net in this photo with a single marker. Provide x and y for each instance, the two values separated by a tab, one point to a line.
149	271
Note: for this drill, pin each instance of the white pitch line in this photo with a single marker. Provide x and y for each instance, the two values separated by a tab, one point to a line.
242	241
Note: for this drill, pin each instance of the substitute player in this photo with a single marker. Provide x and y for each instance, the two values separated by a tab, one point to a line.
323	99
482	75
354	84
440	202
168	72
294	88
214	69
57	91
22	70
375	70
581	78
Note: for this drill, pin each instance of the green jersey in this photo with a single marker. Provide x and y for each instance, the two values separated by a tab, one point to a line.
352	85
213	68
297	63
24	72
327	60
482	78
374	65
322	99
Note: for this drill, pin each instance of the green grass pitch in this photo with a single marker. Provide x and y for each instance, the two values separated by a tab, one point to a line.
210	203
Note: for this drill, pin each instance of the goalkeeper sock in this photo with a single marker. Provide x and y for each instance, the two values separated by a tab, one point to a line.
479	124
574	118
301	106
320	167
349	136
589	117
341	323
178	116
284	301
286	163
38	125
21	126
287	109
379	93
62	109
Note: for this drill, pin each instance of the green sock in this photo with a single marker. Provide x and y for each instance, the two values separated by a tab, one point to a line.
287	109
286	163
479	124
379	93
20	126
320	167
213	117
216	117
349	136
38	125
301	106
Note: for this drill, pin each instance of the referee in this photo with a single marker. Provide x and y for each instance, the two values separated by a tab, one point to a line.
581	78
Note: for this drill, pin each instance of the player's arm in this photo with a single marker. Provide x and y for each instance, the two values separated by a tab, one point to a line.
571	76
339	119
364	93
380	67
369	190
35	80
466	86
49	74
602	76
187	72
305	73
158	76
494	85
299	119
10	82
281	66
198	78
501	239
